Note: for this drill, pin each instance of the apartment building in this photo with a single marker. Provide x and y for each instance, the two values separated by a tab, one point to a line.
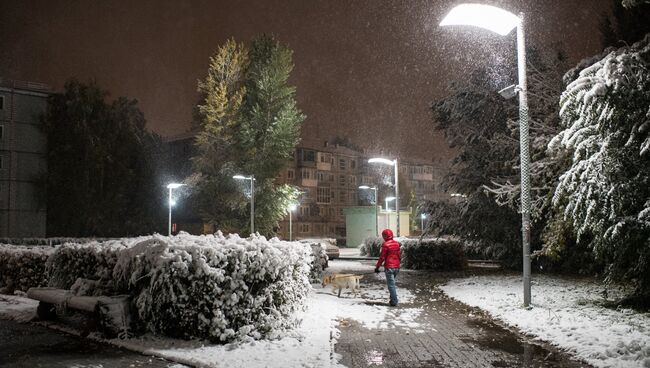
329	178
22	158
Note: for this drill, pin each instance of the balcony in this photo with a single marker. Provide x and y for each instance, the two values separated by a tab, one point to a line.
308	182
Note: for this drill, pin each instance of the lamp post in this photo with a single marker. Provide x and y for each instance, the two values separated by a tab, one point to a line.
503	22
292	208
388	199
422	217
171	186
394	164
252	179
376	211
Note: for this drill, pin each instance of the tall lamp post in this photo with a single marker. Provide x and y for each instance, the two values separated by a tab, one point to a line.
292	208
388	199
394	164
422	217
171	186
503	22
252	179
376	211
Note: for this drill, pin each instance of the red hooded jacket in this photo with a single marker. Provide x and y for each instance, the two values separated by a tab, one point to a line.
390	251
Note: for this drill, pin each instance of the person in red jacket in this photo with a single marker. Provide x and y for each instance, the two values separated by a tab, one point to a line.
390	258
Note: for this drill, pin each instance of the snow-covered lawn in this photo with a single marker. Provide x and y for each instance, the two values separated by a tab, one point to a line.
311	345
566	313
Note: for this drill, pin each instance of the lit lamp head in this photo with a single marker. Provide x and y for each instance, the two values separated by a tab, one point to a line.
423	216
388	199
484	16
381	161
240	177
174	185
292	207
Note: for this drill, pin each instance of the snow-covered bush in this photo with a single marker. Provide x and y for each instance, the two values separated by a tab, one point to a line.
605	193
319	262
438	254
92	260
371	246
427	254
215	287
23	267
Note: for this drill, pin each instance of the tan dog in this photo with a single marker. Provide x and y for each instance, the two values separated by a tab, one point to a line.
343	281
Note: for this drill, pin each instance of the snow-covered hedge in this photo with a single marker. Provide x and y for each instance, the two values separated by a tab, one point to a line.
49	241
319	262
23	267
429	254
92	260
215	287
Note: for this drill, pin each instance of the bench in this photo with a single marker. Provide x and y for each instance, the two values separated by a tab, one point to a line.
110	313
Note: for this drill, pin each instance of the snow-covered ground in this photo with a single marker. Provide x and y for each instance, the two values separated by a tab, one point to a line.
566	313
310	345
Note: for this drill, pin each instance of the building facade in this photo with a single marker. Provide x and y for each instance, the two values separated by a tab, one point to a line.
22	158
329	178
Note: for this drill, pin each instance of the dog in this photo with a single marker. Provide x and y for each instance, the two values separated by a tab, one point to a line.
342	281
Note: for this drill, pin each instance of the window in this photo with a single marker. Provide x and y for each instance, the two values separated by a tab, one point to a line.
341	164
352	180
304	228
342	180
2	102
332	212
325	158
342	196
309	155
2	131
353	164
330	178
305	173
321	176
2	163
290	174
323	195
322	211
304	210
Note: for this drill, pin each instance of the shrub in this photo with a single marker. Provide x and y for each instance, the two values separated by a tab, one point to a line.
439	254
23	267
215	287
371	246
428	254
319	262
92	260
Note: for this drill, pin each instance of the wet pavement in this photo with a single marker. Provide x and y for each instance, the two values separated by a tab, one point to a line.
448	333
32	346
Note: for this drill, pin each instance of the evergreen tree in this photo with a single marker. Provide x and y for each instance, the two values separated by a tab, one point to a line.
249	124
605	193
101	178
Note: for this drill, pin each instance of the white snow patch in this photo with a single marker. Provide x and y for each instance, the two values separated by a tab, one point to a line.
565	313
17	308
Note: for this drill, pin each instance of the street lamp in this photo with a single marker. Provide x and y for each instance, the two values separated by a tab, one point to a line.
292	208
394	164
388	199
376	212
171	186
503	22
252	179
422	217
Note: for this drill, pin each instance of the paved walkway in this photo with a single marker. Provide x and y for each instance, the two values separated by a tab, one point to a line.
32	346
448	333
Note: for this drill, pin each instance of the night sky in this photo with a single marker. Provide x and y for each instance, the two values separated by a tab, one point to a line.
365	70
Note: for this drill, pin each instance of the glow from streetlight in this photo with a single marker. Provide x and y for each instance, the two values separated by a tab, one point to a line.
292	207
381	161
172	202
174	185
484	16
423	216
